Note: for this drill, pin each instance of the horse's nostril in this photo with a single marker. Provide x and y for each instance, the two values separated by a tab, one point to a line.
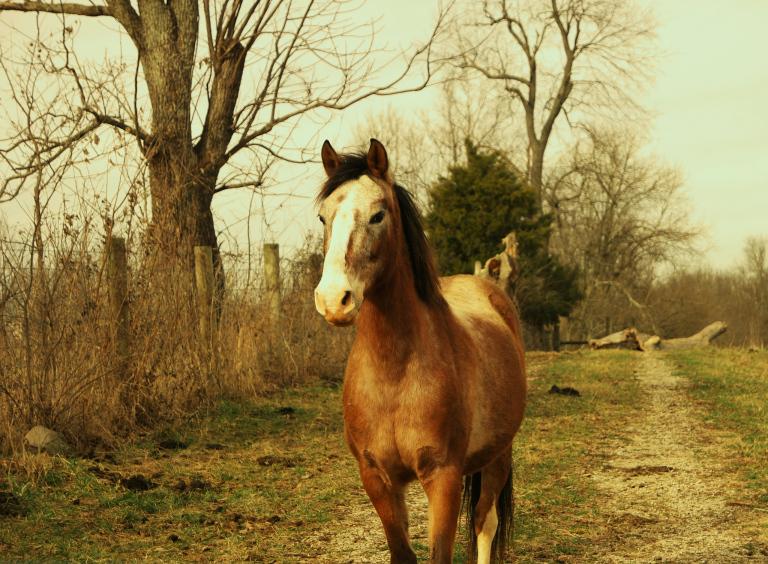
345	299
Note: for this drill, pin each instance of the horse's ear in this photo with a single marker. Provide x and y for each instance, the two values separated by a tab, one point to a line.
331	160
378	162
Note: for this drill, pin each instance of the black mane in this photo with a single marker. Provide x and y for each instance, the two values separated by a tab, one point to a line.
355	165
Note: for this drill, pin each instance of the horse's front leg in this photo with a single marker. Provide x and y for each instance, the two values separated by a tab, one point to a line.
389	501
443	488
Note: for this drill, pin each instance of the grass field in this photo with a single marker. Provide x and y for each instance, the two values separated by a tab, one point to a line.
272	481
732	387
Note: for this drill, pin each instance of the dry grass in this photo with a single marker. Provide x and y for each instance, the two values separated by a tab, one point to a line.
270	480
59	362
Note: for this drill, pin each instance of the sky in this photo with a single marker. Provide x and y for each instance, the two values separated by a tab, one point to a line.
708	108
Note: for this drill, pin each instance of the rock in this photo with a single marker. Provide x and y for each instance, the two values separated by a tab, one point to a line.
41	439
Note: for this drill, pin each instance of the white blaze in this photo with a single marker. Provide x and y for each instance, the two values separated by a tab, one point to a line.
336	280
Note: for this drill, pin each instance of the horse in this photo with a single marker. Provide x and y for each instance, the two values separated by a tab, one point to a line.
434	387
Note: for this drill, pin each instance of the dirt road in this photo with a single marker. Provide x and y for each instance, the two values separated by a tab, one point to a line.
667	493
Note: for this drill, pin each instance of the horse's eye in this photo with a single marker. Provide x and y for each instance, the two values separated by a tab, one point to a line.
377	218
321	218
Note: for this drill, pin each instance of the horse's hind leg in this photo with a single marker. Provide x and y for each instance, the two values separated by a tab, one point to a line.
492	480
389	501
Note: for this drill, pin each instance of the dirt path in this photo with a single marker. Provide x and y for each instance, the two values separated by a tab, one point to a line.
669	497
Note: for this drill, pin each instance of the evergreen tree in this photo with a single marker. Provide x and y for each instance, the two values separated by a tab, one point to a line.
474	207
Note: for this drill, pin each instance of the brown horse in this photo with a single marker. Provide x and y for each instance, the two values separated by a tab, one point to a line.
435	386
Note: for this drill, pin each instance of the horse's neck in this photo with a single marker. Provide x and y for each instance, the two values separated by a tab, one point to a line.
391	324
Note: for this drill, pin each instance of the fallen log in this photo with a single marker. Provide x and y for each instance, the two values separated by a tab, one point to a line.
703	338
633	339
625	339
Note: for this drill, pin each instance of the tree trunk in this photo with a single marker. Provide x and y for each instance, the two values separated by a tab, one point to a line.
181	185
626	339
703	338
536	172
181	208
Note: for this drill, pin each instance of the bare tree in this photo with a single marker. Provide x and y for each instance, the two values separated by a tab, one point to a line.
225	83
619	216
755	272
561	57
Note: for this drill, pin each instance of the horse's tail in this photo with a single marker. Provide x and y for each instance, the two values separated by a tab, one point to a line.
505	509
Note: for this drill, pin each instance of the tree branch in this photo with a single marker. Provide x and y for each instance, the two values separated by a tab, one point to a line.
56	8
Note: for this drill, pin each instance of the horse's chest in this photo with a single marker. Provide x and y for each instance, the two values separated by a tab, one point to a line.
402	429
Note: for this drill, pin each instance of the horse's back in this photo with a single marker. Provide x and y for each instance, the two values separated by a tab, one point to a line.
472	297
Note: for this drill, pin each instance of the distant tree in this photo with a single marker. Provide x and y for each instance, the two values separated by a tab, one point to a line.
474	207
619	216
755	272
424	145
558	58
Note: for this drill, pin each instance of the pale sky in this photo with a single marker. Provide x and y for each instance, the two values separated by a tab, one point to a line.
708	105
711	115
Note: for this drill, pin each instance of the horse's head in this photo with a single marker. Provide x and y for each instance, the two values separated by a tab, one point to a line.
358	208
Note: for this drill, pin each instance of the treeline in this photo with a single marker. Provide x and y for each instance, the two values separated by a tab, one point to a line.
686	301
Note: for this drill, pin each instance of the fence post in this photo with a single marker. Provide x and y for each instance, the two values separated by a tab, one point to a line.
272	278
117	275
556	336
204	284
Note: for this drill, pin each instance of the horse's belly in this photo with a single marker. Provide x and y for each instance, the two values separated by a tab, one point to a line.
497	410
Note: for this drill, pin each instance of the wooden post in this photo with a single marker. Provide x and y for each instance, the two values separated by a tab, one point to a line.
204	282
117	275
272	278
556	336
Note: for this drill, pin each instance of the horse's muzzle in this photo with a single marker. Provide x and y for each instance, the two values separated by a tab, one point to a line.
342	309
